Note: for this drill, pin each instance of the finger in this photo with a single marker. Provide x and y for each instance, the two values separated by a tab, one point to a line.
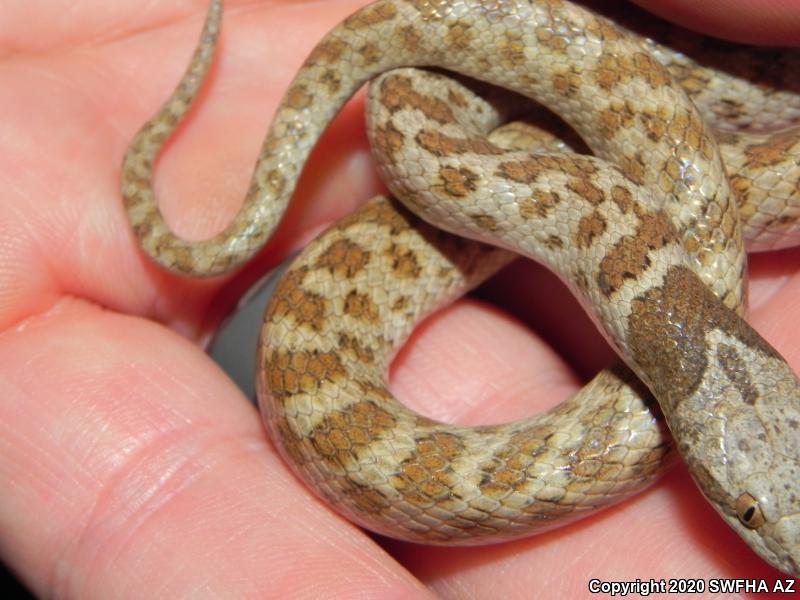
142	439
130	456
471	364
543	302
767	22
132	466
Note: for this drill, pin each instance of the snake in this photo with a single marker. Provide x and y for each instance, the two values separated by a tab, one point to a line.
648	231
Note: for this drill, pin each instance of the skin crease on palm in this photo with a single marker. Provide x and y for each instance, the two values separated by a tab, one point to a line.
131	465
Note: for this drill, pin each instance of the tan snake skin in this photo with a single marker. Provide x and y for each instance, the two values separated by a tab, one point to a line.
646	232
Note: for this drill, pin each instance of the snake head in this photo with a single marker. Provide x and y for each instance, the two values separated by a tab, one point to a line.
743	447
759	476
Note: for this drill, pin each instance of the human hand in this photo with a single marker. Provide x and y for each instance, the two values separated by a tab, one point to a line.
132	465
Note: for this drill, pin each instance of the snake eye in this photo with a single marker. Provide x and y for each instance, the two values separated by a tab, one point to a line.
749	512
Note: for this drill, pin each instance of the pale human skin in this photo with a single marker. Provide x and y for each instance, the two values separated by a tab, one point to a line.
131	466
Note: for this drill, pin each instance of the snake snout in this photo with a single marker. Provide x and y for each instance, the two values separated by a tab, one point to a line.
786	539
769	518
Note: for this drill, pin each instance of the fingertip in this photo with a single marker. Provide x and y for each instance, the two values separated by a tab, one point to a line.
762	22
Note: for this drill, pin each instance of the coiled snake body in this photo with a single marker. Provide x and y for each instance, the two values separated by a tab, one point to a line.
646	232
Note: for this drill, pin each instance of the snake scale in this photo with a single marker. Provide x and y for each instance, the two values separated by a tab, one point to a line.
646	232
